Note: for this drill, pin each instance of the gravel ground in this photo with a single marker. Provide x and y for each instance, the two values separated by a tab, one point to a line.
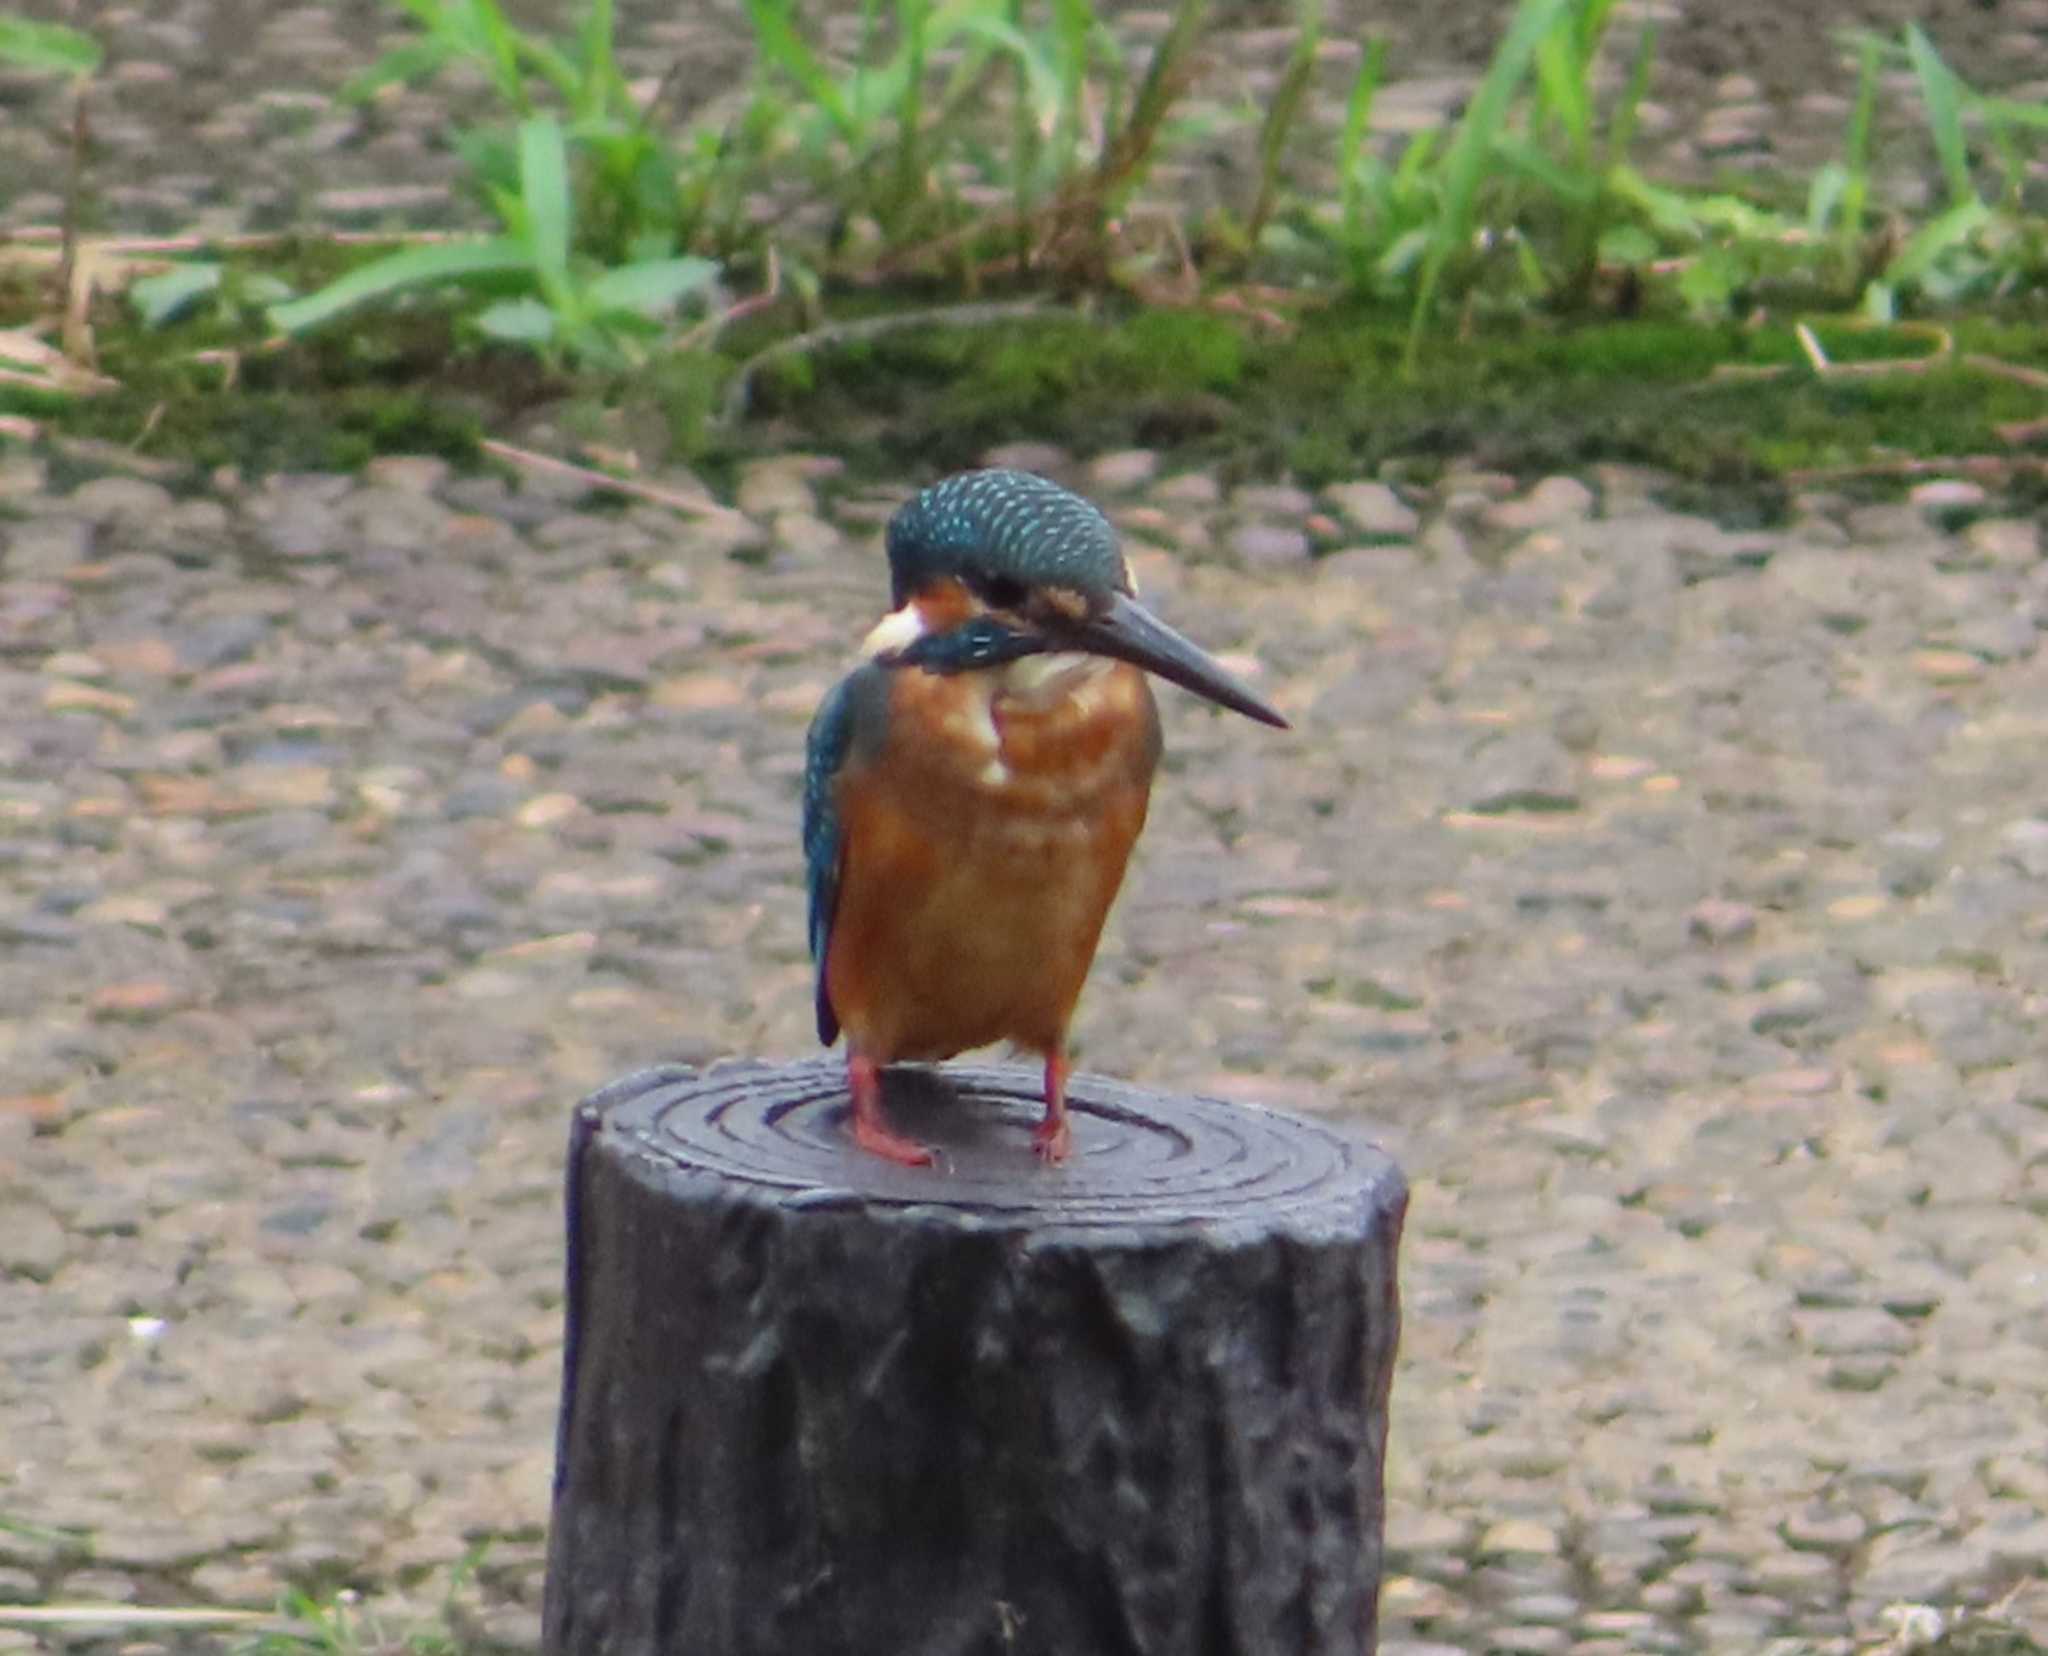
1670	900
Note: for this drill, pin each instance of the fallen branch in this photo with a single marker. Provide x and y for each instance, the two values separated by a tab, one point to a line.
74	191
27	359
1989	467
2015	371
1822	366
705	332
2022	432
676	500
137	1616
39	235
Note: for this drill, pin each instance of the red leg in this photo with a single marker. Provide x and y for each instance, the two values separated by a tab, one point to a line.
1052	1138
870	1131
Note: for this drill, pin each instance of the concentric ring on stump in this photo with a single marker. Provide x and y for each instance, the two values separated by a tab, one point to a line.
816	1402
1139	1157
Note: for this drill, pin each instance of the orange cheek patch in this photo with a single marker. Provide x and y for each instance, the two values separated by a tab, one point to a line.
945	604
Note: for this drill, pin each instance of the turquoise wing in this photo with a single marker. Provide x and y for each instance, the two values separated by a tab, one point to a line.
849	724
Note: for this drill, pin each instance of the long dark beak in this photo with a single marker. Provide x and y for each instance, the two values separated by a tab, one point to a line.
1130	632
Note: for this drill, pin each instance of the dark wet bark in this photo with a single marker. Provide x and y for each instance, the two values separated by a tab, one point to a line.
815	1403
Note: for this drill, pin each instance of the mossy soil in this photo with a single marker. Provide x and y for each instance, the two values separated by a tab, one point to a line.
1327	400
1331	401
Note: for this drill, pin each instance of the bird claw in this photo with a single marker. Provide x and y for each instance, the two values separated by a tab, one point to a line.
877	1140
1052	1139
870	1132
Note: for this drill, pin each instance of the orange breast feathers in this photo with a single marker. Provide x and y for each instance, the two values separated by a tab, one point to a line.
984	841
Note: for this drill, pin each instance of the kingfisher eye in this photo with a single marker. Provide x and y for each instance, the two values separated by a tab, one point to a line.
1003	592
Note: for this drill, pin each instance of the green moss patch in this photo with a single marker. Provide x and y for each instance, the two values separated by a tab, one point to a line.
1330	402
1325	402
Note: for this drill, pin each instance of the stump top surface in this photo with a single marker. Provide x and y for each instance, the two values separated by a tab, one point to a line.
1140	1158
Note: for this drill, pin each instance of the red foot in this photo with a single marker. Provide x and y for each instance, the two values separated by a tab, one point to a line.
1052	1138
877	1140
870	1131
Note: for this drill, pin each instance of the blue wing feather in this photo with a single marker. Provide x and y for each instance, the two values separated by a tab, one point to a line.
848	723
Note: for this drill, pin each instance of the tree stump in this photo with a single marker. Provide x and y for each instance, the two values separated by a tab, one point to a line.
814	1404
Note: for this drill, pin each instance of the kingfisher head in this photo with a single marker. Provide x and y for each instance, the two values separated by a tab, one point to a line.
992	567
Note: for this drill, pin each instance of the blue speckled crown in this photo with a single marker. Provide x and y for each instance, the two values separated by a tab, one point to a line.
1002	523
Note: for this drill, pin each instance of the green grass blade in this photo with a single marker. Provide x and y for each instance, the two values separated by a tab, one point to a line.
1942	94
1351	158
1621	131
1571	185
1566	97
1856	142
912	18
499	39
405	65
428	14
169	294
525	321
1672	213
256	287
1627	244
1132	141
1403	254
2015	112
66	1538
1073	29
1824	197
1418	158
1031	82
410	267
1040	74
1281	113
2012	163
1591	28
544	193
858	83
548	61
1928	245
782	48
479	28
651	286
600	80
1465	163
48	46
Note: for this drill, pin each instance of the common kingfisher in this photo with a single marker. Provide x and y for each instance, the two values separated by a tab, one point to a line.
972	790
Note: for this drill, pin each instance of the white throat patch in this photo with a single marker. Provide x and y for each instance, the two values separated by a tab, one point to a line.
894	633
1044	677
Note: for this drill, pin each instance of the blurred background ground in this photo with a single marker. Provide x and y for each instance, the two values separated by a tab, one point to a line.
1666	895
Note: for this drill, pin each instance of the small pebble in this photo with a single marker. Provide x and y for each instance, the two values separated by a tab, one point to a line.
1374	509
1188	489
547	810
1266	545
1946	494
1118	473
1553	501
1519	1535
